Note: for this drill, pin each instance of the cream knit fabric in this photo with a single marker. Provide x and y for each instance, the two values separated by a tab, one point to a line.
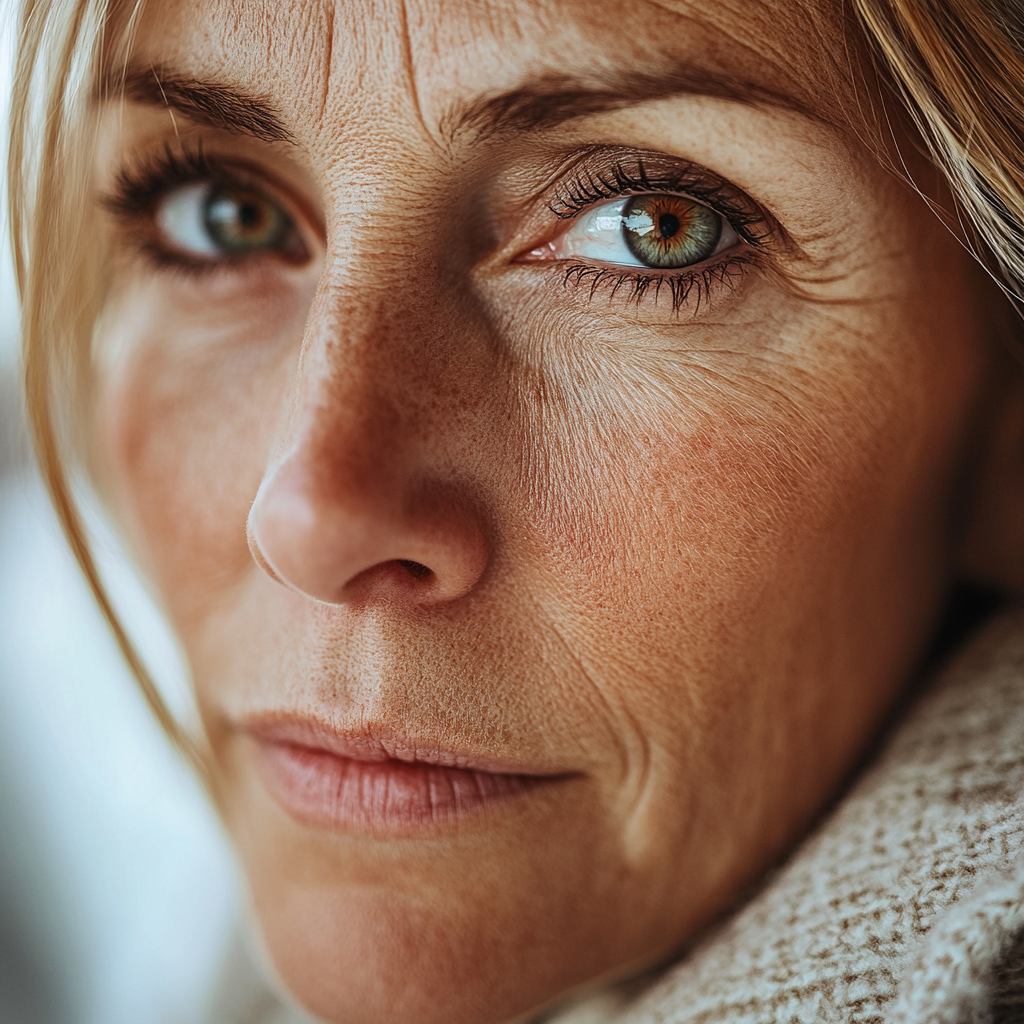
907	905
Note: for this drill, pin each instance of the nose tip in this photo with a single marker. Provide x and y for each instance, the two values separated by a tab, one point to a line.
342	548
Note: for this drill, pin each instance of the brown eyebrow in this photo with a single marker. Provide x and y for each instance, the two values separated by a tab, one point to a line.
204	102
554	100
546	103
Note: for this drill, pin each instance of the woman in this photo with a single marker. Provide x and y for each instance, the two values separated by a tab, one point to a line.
554	431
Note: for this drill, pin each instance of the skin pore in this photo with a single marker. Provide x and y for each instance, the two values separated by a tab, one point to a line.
649	552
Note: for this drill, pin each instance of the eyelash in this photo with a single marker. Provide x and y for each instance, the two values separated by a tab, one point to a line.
589	188
136	191
681	284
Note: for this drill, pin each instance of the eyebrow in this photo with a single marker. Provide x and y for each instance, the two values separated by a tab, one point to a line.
209	103
548	101
554	100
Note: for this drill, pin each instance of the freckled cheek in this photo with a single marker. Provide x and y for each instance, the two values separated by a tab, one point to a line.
186	437
703	539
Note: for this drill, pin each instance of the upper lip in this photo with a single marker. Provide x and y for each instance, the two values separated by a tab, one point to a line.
370	742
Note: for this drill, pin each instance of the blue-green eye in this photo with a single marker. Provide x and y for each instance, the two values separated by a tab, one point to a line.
210	219
668	232
653	230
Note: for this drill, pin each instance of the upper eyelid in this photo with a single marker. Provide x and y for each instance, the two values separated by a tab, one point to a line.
136	188
728	212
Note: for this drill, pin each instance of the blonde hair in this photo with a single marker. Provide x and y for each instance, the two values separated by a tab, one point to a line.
60	45
956	65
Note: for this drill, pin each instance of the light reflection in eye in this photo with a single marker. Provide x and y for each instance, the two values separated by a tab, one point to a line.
655	231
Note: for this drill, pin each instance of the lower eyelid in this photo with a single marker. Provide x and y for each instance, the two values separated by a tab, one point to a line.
691	286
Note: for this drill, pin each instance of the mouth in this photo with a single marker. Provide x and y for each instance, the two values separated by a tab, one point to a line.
376	782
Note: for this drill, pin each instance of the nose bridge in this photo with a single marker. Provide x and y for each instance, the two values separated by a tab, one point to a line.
379	330
356	401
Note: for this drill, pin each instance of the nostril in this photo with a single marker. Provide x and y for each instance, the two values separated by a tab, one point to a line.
407	575
416	570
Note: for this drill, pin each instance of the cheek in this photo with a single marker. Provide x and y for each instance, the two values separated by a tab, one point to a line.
743	450
745	557
187	412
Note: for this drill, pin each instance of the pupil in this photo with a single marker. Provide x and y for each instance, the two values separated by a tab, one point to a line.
249	215
668	225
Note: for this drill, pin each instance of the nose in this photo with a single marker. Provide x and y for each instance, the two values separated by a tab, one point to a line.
360	507
347	543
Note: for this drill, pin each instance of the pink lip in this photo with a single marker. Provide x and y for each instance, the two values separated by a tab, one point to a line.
378	783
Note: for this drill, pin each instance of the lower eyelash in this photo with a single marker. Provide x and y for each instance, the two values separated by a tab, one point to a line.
160	258
641	286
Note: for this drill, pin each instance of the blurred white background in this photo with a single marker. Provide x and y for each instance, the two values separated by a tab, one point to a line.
117	893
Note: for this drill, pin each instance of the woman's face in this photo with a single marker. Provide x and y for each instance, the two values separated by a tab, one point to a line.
545	424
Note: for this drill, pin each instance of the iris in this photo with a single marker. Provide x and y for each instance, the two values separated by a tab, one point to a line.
241	220
667	232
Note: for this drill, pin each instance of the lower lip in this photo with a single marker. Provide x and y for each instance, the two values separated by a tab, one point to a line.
318	787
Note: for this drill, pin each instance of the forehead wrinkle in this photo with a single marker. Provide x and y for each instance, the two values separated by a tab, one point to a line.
235	43
410	68
750	57
766	21
371	76
808	45
438	52
816	46
329	75
327	10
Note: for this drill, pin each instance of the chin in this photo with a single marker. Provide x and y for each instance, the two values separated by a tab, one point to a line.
476	921
367	955
366	958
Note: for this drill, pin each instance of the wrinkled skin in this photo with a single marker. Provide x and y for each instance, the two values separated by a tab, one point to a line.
684	559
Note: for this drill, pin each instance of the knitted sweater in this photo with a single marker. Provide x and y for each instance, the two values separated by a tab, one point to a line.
905	906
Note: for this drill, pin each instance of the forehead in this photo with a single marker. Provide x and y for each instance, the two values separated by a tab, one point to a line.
432	59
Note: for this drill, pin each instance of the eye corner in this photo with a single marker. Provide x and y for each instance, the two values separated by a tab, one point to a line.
546	252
